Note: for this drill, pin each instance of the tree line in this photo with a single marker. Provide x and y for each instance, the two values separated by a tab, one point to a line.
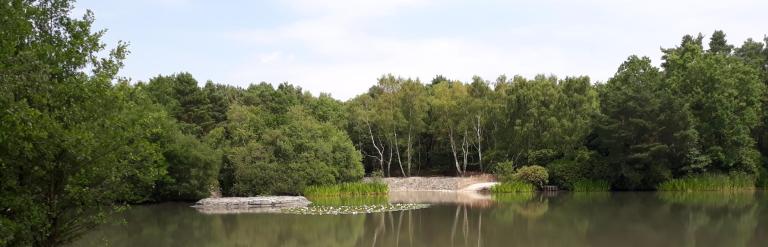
77	141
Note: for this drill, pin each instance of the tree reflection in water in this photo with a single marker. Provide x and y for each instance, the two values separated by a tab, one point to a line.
562	219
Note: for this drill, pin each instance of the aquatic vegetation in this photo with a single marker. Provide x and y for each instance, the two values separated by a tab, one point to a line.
356	209
348	200
358	188
590	186
710	182
513	187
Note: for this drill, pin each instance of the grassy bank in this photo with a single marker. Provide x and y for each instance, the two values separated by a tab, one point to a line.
513	187
709	182
359	188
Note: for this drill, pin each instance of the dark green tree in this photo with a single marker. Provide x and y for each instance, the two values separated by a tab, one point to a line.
718	43
70	147
724	96
645	132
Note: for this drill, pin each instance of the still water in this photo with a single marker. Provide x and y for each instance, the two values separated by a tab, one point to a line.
557	219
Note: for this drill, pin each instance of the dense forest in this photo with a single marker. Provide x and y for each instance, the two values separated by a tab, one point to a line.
78	141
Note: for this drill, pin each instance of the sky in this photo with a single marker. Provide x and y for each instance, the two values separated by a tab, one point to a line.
342	46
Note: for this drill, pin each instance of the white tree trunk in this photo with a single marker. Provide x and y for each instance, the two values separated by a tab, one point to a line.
465	150
397	152
408	151
453	149
379	150
479	146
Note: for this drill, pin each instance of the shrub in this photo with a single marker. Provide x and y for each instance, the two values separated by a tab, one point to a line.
299	153
564	173
536	175
504	171
513	187
192	169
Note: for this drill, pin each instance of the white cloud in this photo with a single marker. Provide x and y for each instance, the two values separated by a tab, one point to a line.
339	54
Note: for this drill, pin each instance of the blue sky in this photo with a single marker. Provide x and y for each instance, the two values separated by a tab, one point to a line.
342	46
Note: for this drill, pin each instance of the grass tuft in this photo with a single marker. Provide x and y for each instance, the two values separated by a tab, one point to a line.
709	182
359	188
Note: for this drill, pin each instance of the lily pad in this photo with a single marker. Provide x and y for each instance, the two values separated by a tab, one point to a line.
355	209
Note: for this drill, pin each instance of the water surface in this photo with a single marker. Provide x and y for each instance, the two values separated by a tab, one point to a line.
558	219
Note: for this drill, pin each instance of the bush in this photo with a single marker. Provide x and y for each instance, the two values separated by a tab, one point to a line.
564	173
536	175
504	171
300	153
192	169
710	182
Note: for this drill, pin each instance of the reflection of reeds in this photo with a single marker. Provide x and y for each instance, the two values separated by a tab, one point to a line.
710	199
591	197
710	182
374	188
513	197
591	186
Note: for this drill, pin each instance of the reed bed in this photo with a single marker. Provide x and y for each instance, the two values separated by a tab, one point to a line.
346	189
591	186
709	182
513	187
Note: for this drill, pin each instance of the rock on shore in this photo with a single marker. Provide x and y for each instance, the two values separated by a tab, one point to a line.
249	204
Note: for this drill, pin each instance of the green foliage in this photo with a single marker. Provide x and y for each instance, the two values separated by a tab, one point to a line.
545	118
725	108
76	141
346	189
192	169
71	146
710	182
504	171
513	187
289	157
646	132
536	175
564	173
590	186
198	110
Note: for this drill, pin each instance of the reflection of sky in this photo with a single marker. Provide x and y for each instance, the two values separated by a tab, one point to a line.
341	46
541	219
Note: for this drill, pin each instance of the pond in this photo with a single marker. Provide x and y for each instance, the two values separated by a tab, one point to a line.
550	219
